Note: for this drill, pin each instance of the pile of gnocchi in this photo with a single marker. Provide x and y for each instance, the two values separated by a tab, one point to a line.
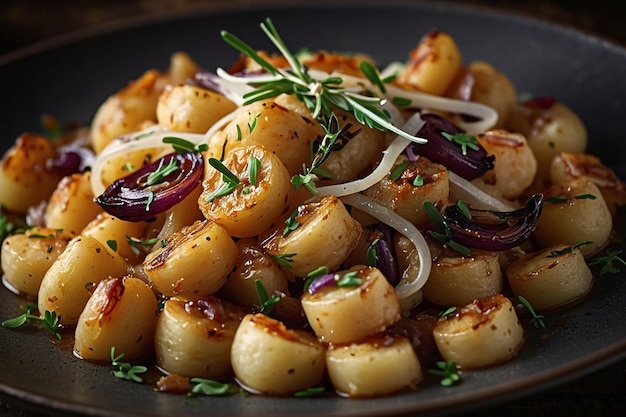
350	283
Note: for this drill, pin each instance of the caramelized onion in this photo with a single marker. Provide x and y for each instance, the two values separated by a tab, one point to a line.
493	230
134	198
471	165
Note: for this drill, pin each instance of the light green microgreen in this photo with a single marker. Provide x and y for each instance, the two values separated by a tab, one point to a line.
209	387
447	371
349	279
124	369
463	140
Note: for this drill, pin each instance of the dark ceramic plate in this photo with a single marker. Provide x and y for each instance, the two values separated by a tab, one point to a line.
70	79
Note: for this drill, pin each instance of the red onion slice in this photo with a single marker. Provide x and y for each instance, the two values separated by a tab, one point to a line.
471	165
494	230
132	198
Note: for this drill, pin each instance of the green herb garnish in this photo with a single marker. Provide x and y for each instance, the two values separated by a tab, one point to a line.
350	279
209	387
266	303
610	262
443	233
320	96
49	320
124	369
254	165
231	182
558	199
284	259
464	140
447	371
181	145
536	319
396	173
569	249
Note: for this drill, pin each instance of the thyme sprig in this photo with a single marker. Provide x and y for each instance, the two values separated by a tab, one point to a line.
49	320
536	319
610	263
320	96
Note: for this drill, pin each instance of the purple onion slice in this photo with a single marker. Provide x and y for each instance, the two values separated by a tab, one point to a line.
469	164
385	258
321	282
493	230
141	195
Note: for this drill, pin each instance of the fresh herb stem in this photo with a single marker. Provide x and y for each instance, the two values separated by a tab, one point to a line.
49	320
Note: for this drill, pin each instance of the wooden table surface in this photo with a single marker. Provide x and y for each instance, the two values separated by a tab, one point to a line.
602	393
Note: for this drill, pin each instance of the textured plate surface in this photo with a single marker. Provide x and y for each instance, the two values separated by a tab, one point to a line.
71	79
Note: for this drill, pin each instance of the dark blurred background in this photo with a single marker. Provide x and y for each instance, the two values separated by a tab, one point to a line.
26	21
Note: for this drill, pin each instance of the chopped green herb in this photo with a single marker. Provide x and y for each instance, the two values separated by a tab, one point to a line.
252	124
447	312
418	181
447	371
209	387
112	244
126	370
443	234
398	170
181	145
266	303
49	320
291	223
372	74
464	140
136	243
284	259
254	165
150	200
568	249
239	134
231	182
128	167
6	226
310	392
558	199
311	276
350	279
464	210
372	253
161	172
608	262
401	102
537	319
